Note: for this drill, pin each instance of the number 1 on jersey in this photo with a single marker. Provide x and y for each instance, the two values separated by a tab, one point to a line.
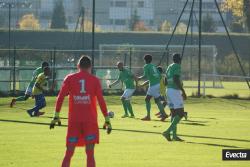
82	82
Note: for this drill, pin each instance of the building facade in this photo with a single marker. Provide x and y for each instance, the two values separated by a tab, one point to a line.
115	15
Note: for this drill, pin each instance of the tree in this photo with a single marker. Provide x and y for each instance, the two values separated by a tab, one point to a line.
166	26
140	26
247	13
208	24
240	10
236	27
134	20
88	26
181	28
58	20
29	21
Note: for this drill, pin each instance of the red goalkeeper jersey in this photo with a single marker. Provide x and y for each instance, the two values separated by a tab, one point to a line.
83	89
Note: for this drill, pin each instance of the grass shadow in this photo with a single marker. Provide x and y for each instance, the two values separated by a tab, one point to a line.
134	131
212	144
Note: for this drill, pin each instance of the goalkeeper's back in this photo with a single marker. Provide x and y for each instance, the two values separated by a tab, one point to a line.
83	88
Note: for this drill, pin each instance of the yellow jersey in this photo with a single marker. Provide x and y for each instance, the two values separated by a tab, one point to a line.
41	80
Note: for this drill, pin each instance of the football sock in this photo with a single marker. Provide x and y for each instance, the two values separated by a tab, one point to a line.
67	158
175	131
173	124
37	108
130	109
22	98
148	107
125	107
90	158
160	107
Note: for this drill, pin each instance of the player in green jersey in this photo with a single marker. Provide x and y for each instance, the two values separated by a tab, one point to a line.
175	96
28	91
127	77
153	76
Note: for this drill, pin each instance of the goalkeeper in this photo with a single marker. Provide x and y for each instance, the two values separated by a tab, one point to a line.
83	89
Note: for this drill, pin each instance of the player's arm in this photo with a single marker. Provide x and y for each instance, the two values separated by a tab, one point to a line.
166	81
59	101
103	107
145	83
180	86
140	77
114	83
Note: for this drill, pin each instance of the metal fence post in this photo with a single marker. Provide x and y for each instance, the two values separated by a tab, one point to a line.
14	71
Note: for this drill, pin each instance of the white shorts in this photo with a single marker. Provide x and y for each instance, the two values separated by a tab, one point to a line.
127	94
154	91
175	99
29	90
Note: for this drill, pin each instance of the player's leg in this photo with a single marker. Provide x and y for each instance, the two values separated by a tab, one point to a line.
164	101
31	111
173	127
161	109
130	108
39	104
176	120
26	96
91	137
175	102
155	92
148	107
90	155
128	97
73	133
68	155
125	107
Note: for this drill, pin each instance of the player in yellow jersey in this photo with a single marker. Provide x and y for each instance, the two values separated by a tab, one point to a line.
40	86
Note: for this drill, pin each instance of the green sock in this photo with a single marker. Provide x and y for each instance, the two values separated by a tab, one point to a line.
130	109
148	107
21	98
160	107
175	121
125	107
175	131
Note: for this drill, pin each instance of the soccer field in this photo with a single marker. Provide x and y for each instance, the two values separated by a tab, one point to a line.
213	124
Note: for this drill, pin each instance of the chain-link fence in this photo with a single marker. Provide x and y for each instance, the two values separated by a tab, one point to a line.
17	65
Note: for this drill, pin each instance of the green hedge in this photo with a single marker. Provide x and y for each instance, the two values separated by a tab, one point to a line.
71	40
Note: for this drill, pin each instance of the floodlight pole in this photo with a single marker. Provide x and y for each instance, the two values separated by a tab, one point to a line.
189	21
199	55
93	37
83	29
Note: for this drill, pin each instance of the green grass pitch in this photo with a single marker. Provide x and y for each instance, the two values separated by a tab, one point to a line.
213	124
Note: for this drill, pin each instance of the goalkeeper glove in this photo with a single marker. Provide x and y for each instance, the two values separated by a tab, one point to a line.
55	120
107	125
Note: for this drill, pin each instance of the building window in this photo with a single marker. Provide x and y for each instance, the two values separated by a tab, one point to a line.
120	22
120	3
112	3
141	4
151	22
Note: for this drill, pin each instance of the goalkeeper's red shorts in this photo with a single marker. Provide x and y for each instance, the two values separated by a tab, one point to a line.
81	134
